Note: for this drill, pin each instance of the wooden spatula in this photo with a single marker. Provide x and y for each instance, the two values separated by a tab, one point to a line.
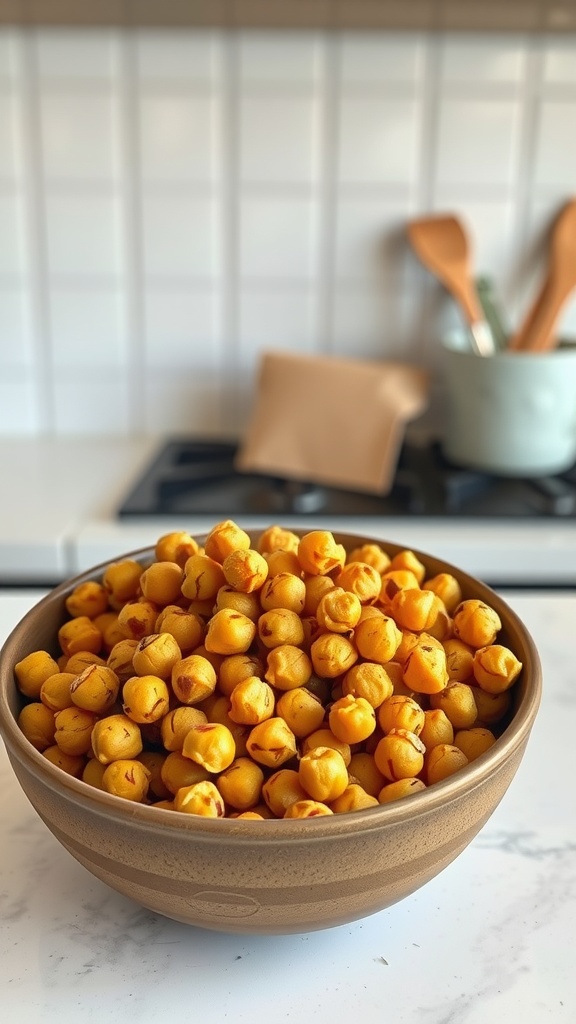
442	245
537	333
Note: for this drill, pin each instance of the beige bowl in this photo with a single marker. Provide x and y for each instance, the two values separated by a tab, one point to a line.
267	876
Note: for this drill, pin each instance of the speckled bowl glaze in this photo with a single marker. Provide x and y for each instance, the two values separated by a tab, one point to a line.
273	876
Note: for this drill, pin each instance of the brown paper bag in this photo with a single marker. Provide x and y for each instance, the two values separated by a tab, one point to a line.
338	422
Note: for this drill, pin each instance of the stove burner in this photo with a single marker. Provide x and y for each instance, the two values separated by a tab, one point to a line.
191	476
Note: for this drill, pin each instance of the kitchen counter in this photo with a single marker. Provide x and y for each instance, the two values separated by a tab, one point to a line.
58	517
491	939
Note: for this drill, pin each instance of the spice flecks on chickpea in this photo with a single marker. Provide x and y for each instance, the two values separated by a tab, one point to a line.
284	590
476	623
339	610
89	598
177	546
276	538
145	699
332	655
127	778
377	638
360	579
116	738
400	755
33	670
156	654
203	577
95	689
200	798
352	719
211	745
37	723
193	679
229	632
319	553
251	701
495	668
121	581
280	626
271	743
245	570
137	618
224	538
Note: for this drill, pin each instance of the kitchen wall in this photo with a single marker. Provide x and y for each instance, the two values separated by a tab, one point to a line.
174	202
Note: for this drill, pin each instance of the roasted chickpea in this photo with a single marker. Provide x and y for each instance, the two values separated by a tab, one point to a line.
121	581
307	809
442	761
55	691
95	689
193	679
459	659
236	600
457	701
425	667
79	634
120	659
201	798
401	712
394	580
315	588
145	699
476	623
399	789
271	743
414	609
156	654
369	680
224	538
203	577
245	570
437	728
283	561
377	638
284	590
240	785
360	579
72	764
280	626
128	778
281	789
491	707
323	774
302	711
319	554
236	667
371	554
407	561
495	668
229	632
362	769
176	546
177	723
153	761
276	538
76	663
178	771
352	719
475	741
251	701
400	755
74	730
89	598
186	628
324	737
37	723
116	738
210	745
354	798
137	619
338	610
447	588
332	655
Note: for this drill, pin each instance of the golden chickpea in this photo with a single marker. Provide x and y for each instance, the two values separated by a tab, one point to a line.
37	723
302	711
178	771
352	719
211	656
245	570
441	627
459	659
55	691
276	538
283	561
408	561
414	609
186	628
79	634
425	667
74	730
369	680
110	629
271	743
475	741
491	707
177	723
72	764
236	600
401	712
307	809
447	588
240	785
437	728
251	701
400	755
372	554
193	679
360	579
203	577
377	638
93	773
161	582
394	580
324	737
457	702
280	626
145	699
95	689
229	632
442	761
177	546
319	554
362	769
354	798
210	745
476	623
284	590
281	789
120	659
89	598
156	654
201	798
121	580
128	779
76	663
237	667
315	589
407	644
116	738
137	619
224	538
399	789
495	668
153	761
220	712
323	774
338	610
332	655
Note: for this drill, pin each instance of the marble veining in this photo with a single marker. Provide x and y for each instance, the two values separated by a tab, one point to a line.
490	939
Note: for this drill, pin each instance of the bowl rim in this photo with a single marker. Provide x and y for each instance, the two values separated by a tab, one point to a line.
149	817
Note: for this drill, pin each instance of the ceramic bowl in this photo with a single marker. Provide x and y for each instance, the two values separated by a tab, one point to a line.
272	876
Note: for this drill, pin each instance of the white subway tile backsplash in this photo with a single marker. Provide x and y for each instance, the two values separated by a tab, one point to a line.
79	137
181	236
87	327
178	138
180	324
378	140
173	202
477	142
278	237
83	230
376	59
276	58
279	141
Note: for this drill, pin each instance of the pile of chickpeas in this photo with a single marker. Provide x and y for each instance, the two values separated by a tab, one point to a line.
287	680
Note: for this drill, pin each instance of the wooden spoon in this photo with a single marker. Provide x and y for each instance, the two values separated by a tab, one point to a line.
537	332
442	245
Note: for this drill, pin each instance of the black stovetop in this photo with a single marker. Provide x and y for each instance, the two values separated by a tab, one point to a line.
196	476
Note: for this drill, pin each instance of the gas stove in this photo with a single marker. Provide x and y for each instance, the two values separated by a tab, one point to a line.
195	476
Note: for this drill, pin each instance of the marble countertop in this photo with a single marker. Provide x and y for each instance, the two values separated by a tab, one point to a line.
491	939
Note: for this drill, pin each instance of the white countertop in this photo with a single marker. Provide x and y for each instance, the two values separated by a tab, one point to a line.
60	497
491	939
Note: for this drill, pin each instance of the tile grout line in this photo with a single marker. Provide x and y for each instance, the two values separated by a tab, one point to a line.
36	232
